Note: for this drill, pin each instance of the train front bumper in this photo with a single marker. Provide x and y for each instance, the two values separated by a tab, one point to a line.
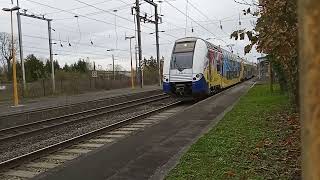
166	87
187	88
200	87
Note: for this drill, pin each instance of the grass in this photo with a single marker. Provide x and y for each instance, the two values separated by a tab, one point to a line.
258	139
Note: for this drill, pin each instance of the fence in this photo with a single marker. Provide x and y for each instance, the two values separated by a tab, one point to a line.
69	86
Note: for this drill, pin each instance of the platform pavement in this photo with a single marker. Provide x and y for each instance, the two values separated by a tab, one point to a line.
150	154
44	102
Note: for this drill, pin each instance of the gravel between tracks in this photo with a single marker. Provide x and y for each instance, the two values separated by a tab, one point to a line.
29	117
20	146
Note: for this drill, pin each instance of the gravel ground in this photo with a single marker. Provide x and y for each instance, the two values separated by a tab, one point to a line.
60	120
28	117
31	143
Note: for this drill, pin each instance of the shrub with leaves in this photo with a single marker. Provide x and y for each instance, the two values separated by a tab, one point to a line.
276	34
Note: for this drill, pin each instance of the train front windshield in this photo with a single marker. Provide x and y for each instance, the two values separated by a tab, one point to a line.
182	57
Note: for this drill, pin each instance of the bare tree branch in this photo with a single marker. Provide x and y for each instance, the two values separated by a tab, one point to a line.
5	50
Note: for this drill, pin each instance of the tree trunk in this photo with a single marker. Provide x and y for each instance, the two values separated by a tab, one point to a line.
270	76
309	18
293	82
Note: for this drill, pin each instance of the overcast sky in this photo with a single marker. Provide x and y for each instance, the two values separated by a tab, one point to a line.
97	23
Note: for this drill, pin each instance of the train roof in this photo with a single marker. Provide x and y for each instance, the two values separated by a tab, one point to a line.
212	46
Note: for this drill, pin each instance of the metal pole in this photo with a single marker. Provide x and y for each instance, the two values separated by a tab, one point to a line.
136	56
115	27
139	39
14	67
135	49
21	49
132	76
114	76
51	57
157	44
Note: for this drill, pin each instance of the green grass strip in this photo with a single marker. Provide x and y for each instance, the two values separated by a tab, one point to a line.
244	144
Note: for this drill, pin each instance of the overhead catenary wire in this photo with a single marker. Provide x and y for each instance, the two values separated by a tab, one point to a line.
195	21
211	22
70	53
204	15
82	44
77	14
103	47
64	29
98	20
59	50
118	16
77	8
114	14
97	12
94	19
121	58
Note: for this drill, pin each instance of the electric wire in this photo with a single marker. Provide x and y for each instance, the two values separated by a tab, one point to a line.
206	16
77	8
195	21
94	19
118	16
84	17
97	20
82	44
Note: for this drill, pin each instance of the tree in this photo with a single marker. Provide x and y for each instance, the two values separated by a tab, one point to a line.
150	70
5	51
66	68
47	66
276	34
34	68
309	86
80	66
149	63
2	74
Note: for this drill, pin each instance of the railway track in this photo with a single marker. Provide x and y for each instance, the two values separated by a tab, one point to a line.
44	125
50	112
13	162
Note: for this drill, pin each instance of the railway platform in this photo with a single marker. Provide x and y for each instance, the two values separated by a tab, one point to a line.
48	102
151	153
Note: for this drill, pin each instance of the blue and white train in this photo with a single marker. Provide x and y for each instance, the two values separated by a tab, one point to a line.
197	67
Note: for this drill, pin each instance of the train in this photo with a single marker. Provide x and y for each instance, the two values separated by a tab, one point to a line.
200	68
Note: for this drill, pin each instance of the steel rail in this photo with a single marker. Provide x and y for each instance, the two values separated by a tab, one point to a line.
64	121
67	143
39	110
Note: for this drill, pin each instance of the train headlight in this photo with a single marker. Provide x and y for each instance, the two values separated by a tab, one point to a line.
199	76
165	79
